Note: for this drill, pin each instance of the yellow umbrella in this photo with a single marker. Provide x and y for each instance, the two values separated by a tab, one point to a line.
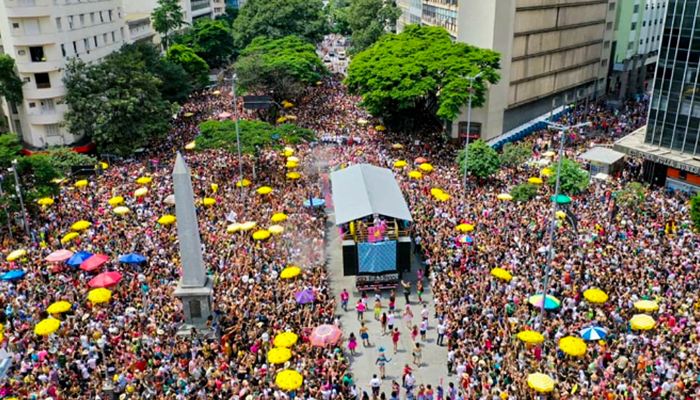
465	227
80	225
46	201
535	180
291	164
144	180
443	197
547	172
47	327
561	214
216	92
104	165
397	146
501	273
362	121
246	226
276	229
596	296
214	187
380	128
265	190
279	217
69	237
261	235
285	339
426	167
549	154
81	183
190	145
99	295
246	183
140	192
400	164
573	346
167	219
293	175
59	307
279	355
288	152
289	379
415	175
290	272
121	210
436	191
233	228
281	120
540	382
58	181
293	159
208	201
530	337
646	305
116	200
642	322
16	254
504	196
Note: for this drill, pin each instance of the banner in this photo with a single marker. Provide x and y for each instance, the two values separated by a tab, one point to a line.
376	258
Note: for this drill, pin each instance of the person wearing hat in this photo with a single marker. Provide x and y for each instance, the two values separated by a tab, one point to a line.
381	362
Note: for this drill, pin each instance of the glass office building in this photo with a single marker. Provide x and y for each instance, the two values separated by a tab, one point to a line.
674	117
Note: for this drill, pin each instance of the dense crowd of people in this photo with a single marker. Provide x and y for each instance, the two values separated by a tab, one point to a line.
131	340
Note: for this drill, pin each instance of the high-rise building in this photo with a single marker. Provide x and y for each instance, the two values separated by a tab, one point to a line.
41	35
550	50
638	31
670	142
192	9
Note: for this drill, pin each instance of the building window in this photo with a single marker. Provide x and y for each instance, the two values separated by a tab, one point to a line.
42	80
609	26
102	18
32	105
26	80
58	24
15	25
37	54
104	38
75	48
48	105
18	126
644	23
53	130
474	129
113	39
86	44
604	63
606	45
611	6
634	26
63	49
636	8
121	33
95	39
70	22
82	20
110	14
630	45
92	18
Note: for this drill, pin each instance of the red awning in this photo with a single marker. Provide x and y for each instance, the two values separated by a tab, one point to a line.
94	262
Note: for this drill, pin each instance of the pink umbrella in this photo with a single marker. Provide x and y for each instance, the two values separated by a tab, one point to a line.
59	256
105	279
225	115
94	262
421	160
324	335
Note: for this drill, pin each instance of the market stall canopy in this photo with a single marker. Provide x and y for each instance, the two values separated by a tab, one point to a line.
363	190
602	155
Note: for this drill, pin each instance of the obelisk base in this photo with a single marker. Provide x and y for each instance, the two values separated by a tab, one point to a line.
196	305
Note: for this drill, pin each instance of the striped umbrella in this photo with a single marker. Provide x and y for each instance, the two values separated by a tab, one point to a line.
593	333
324	335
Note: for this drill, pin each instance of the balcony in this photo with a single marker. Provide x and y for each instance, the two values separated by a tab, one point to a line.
34	40
28	8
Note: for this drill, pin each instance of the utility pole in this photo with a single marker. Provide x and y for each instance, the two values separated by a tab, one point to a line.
238	140
19	194
471	80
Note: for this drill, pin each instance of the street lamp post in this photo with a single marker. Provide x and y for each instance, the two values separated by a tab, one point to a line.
107	387
563	129
471	80
19	194
238	140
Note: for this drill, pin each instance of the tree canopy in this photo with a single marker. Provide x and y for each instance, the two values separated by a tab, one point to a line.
276	19
695	212
254	135
514	155
279	66
483	160
369	20
194	65
10	84
574	179
175	83
524	192
633	195
419	75
117	103
167	18
9	149
211	40
337	13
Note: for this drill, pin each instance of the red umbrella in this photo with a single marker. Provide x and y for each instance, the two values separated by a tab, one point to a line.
421	160
324	335
94	262
59	256
105	279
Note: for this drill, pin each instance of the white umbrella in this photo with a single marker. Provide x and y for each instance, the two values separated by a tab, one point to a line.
170	199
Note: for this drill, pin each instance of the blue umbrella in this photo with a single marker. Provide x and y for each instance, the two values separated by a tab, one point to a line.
78	258
593	333
12	275
132	258
314	202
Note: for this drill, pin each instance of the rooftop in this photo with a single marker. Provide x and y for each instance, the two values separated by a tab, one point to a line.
634	145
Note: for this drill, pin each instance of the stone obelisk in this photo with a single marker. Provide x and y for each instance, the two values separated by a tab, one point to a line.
195	287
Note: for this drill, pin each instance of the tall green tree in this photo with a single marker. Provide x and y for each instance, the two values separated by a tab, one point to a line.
483	160
229	15
369	20
276	19
574	179
254	135
10	84
524	192
418	77
212	41
279	66
515	154
196	67
632	196
695	212
116	103
9	149
167	18
337	13
175	83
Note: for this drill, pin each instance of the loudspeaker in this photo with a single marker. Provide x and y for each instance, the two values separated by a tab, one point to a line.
350	262
403	254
